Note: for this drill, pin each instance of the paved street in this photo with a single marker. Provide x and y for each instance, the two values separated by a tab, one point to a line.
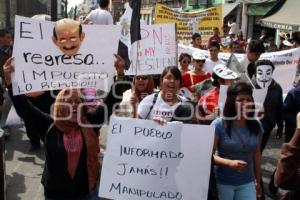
24	169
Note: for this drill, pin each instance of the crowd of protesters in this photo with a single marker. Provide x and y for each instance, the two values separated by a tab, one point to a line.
188	92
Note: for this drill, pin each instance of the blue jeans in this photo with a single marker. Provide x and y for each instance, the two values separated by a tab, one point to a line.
239	192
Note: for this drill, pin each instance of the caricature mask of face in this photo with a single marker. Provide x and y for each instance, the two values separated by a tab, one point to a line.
68	37
264	75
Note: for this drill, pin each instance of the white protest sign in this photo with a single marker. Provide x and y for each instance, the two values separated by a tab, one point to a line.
285	63
40	65
285	66
145	160
155	51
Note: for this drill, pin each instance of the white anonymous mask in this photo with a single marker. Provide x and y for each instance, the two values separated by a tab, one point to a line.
264	75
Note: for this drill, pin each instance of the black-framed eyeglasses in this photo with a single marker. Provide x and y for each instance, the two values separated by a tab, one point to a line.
141	77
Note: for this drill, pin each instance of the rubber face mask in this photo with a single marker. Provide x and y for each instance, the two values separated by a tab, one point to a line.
68	36
264	75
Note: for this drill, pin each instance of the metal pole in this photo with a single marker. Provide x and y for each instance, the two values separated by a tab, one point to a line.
53	10
7	15
2	167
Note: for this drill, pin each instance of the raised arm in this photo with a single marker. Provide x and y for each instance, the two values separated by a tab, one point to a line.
24	108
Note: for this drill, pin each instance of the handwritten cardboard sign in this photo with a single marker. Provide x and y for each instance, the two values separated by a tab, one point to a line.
145	160
40	65
156	50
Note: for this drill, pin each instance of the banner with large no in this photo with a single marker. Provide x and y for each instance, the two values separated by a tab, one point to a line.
156	50
41	63
145	160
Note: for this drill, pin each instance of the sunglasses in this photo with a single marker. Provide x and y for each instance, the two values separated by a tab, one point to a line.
199	61
141	78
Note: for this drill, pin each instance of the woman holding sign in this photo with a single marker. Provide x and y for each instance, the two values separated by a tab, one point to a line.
71	166
237	144
142	86
163	106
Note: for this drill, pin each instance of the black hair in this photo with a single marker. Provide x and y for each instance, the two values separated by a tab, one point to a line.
183	55
174	70
55	35
214	43
296	37
195	35
233	18
3	32
103	3
230	112
233	42
264	62
256	46
215	79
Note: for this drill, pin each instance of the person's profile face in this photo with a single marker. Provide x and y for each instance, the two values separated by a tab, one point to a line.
68	38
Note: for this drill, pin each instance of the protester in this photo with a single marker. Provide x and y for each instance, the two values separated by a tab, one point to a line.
185	61
71	164
237	144
296	39
214	60
233	27
263	37
254	49
273	103
291	107
234	47
197	41
272	47
5	53
162	105
208	103
287	175
214	38
197	74
240	39
142	86
100	15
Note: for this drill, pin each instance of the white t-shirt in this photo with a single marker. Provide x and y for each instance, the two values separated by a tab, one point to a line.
159	109
233	28
100	16
209	64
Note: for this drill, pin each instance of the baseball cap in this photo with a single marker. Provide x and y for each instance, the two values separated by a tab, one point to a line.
198	56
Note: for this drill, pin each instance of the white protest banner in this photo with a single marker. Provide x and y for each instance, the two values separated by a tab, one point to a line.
145	160
41	65
285	62
156	51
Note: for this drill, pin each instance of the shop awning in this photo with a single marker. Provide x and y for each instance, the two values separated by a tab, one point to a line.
227	8
286	18
260	9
